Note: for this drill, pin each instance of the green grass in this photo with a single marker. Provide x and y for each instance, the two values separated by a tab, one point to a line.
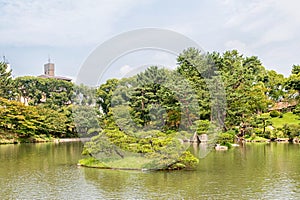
125	163
288	118
257	139
92	162
129	163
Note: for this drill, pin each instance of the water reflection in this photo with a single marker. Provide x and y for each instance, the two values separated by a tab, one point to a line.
250	171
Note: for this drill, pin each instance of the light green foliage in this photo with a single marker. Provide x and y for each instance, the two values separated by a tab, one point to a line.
152	149
92	162
27	121
227	137
202	126
288	118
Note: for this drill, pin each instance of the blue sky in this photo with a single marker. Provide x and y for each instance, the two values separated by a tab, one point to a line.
69	30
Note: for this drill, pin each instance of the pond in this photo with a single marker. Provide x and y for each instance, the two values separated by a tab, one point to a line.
251	171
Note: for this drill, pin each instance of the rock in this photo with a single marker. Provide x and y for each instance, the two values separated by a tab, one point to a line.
218	147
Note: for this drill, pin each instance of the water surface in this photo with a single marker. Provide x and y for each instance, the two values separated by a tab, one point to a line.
49	171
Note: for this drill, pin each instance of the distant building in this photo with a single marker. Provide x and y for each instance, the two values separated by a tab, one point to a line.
49	72
49	69
284	106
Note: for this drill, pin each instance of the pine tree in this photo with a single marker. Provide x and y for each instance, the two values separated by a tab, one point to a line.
6	87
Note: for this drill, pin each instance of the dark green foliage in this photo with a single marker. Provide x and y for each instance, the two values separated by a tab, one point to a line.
86	120
243	80
296	69
83	95
275	85
6	83
163	151
293	83
50	92
297	110
291	130
275	113
143	113
226	137
104	94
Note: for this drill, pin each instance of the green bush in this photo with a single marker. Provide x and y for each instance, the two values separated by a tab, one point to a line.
258	131
291	130
226	137
296	111
275	113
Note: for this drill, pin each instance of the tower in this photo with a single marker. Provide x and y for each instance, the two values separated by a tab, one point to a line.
49	68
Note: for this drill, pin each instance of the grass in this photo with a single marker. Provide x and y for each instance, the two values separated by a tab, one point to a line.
125	163
257	139
288	118
92	162
129	163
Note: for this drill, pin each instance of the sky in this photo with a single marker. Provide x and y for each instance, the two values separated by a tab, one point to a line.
68	31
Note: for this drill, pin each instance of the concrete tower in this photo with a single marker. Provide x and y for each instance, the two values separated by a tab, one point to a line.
49	68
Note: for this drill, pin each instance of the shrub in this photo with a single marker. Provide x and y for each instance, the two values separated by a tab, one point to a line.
291	130
226	137
274	113
297	110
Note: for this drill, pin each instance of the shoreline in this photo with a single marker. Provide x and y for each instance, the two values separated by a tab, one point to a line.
62	140
4	141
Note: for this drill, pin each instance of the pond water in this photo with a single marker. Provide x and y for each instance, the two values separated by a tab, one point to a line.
49	171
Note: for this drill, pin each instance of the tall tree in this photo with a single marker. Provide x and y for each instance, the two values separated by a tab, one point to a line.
293	82
193	67
242	78
104	94
6	82
275	84
48	91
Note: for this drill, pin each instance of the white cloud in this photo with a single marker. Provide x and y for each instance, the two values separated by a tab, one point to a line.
240	46
245	12
125	70
276	34
268	21
165	59
59	22
251	26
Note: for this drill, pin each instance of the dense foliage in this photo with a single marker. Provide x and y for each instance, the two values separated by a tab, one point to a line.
151	113
34	109
28	121
205	90
6	82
